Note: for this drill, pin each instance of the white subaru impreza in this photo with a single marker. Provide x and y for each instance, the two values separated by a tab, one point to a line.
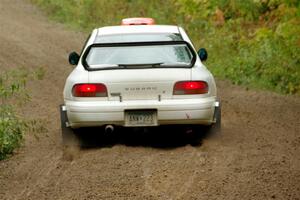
139	75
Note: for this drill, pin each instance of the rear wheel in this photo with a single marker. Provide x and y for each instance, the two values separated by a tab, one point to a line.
196	133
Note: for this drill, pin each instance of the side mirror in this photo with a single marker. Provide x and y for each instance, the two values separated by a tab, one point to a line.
202	54
74	58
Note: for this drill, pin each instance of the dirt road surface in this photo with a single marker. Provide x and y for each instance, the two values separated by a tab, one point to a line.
256	157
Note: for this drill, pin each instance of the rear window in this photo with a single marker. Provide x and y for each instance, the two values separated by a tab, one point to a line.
139	55
120	38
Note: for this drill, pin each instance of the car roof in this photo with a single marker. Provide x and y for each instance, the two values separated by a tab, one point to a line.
137	29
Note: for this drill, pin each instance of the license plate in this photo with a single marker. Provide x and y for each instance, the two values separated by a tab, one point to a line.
141	118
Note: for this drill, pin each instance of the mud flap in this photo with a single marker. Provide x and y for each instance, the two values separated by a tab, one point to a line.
215	128
69	138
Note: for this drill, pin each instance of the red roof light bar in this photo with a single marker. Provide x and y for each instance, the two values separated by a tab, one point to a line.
137	21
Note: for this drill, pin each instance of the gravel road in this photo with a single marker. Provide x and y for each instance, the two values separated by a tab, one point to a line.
257	156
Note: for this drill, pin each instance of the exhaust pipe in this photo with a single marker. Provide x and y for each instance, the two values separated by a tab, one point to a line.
189	131
109	129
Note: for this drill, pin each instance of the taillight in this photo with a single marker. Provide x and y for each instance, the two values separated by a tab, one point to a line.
190	87
89	90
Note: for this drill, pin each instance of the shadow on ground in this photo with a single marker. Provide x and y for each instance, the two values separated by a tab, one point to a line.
162	137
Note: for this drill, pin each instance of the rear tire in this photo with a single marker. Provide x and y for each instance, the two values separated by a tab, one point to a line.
200	131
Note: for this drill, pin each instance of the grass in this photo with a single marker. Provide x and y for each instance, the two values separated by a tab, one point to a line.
250	42
11	131
12	86
13	93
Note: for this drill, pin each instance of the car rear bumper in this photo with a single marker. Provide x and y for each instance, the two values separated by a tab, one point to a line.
179	111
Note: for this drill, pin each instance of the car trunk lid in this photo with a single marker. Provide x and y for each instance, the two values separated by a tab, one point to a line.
140	84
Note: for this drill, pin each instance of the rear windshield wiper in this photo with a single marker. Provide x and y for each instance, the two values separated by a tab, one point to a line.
140	65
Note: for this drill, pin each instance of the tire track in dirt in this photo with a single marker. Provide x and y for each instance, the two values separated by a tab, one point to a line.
43	175
169	173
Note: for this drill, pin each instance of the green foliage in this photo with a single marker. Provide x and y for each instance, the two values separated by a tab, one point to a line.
12	86
13	93
251	42
11	131
39	73
263	53
88	14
